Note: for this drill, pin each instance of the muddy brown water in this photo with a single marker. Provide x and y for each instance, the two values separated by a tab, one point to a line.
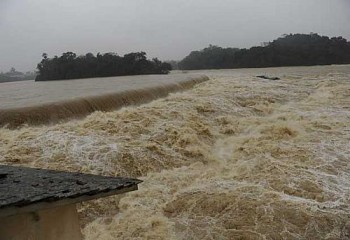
35	103
235	157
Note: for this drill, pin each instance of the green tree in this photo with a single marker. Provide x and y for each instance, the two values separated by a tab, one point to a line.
71	66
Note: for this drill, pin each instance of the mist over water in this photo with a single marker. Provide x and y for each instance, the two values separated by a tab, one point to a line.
235	157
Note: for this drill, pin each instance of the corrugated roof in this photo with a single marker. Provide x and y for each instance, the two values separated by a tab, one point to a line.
28	189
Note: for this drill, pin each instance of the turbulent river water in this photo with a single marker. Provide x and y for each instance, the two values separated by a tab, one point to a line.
235	157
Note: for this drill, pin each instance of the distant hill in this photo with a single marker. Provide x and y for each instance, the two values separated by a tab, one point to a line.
71	66
288	50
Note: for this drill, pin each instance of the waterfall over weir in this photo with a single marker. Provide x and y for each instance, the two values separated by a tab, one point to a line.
35	103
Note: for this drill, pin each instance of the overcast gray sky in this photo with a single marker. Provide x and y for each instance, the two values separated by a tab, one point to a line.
168	29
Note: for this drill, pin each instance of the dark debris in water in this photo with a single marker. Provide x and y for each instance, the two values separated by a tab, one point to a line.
267	77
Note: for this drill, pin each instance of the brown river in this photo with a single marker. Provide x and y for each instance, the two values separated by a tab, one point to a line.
233	157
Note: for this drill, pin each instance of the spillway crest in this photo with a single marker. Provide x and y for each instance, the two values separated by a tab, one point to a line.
53	112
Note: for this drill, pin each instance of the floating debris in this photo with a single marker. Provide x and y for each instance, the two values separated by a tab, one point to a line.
267	77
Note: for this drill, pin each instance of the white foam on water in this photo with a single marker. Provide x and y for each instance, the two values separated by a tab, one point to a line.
233	158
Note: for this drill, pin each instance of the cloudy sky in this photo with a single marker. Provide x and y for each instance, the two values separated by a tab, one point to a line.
168	29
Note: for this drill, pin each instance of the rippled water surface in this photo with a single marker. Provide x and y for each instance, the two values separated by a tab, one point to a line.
31	93
236	157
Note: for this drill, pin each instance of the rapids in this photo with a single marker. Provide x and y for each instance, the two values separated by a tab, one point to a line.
235	157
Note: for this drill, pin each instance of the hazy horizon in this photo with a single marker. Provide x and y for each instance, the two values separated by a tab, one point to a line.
165	29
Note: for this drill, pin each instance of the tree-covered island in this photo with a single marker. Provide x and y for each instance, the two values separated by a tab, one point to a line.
71	66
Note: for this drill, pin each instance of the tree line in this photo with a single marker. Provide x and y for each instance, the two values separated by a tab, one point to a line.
71	66
14	75
288	50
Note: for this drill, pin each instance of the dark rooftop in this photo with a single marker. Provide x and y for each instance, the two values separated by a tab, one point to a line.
28	189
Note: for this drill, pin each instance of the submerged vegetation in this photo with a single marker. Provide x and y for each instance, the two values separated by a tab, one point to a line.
71	66
288	50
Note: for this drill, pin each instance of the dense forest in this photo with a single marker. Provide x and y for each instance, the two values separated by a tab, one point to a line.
289	50
71	66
